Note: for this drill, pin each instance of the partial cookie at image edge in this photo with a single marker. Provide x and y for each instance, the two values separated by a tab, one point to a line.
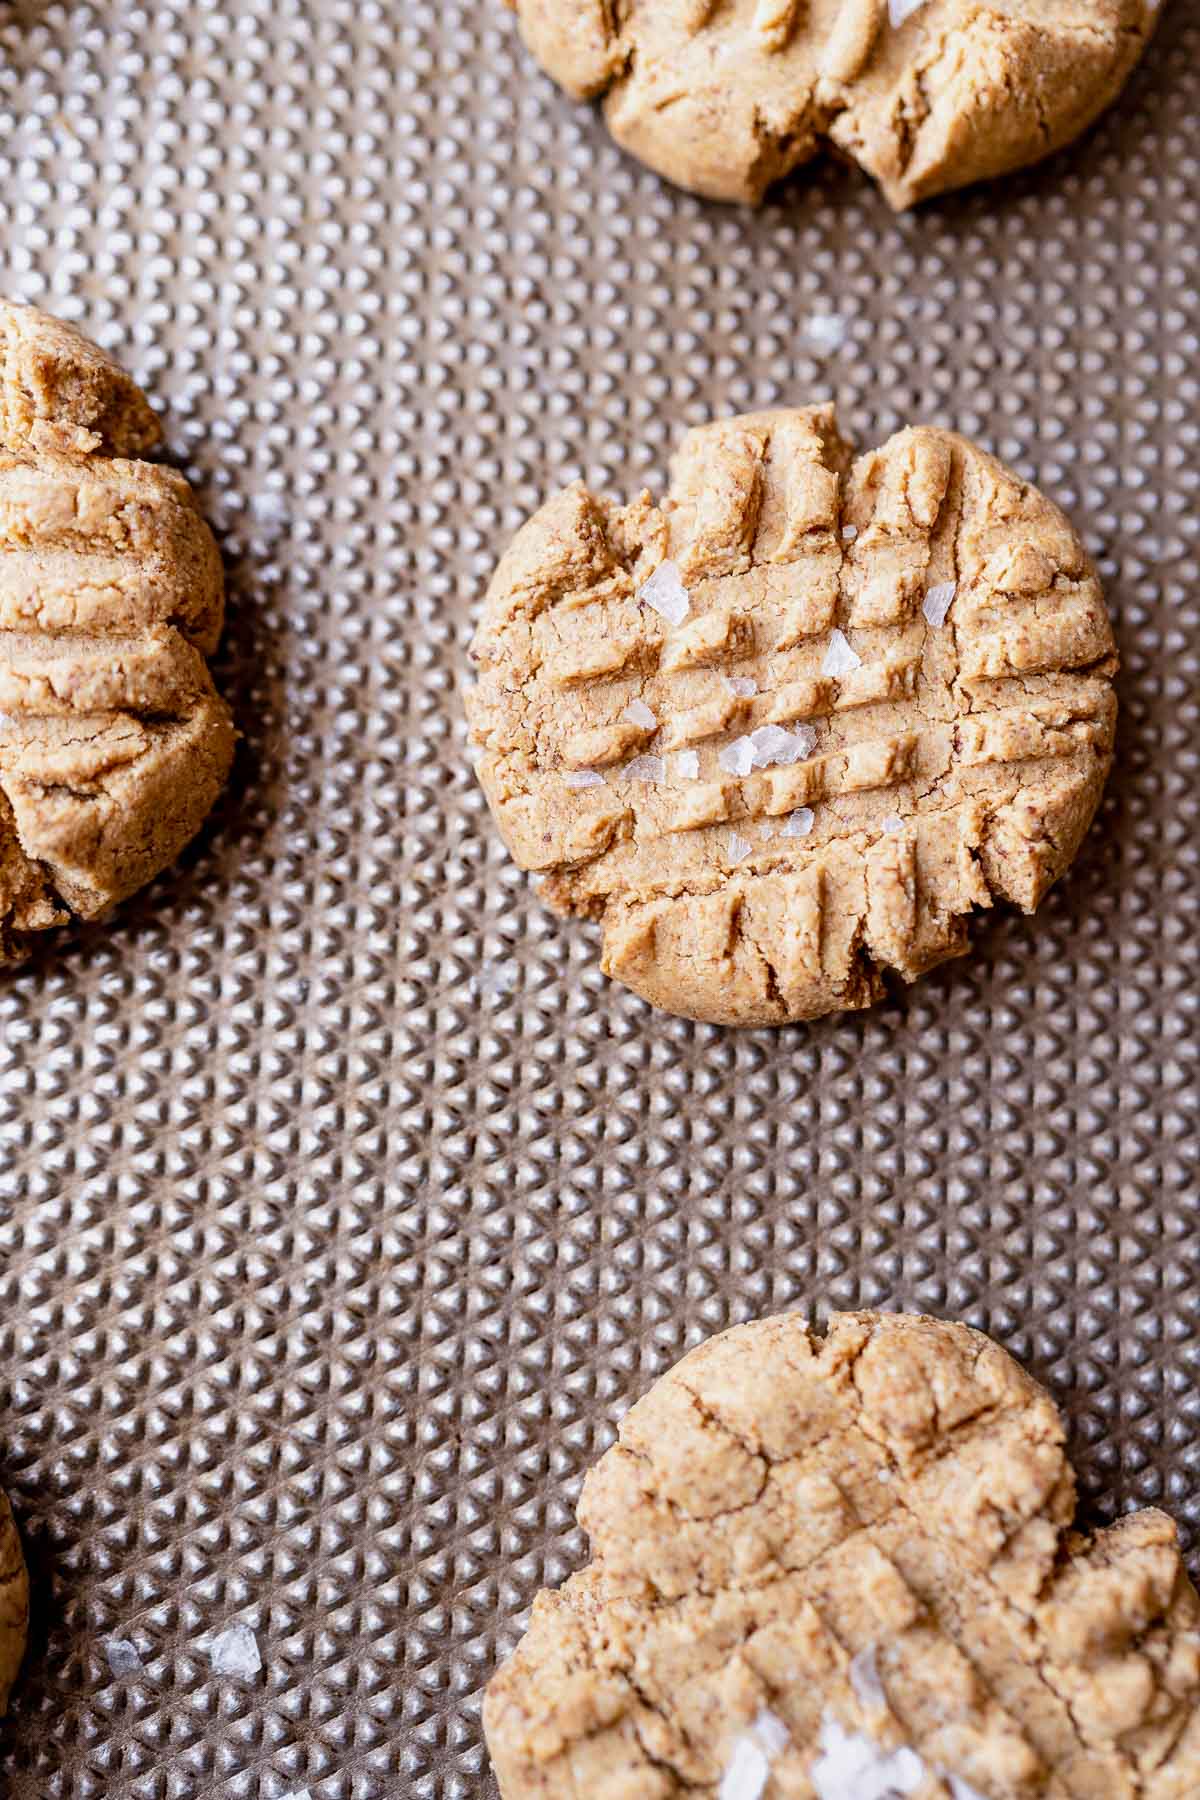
14	1602
727	101
821	1559
114	743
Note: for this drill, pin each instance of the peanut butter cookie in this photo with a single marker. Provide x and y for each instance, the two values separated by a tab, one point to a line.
790	728
14	1602
113	741
844	1569
727	96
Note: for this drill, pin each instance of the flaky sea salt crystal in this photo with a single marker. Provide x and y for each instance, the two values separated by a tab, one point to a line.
853	1767
840	658
899	10
744	686
666	593
123	1658
826	330
773	745
962	1790
739	847
688	764
893	824
235	1652
747	1772
638	713
768	747
864	1679
749	1766
800	823
583	778
645	768
737	758
500	976
771	1732
936	603
269	506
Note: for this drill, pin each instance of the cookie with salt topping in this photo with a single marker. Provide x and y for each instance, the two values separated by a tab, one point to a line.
14	1602
925	95
113	741
784	732
844	1568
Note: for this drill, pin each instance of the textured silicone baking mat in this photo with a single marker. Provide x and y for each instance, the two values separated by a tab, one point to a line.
342	1204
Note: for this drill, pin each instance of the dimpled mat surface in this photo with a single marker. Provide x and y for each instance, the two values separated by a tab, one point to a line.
343	1204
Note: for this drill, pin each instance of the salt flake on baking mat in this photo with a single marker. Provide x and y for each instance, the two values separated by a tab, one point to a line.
234	1651
123	1658
827	331
500	976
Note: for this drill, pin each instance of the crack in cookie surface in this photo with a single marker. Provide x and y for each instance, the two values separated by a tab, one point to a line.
113	741
866	1535
790	728
727	99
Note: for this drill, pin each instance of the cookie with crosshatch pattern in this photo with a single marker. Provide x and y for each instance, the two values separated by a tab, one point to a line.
726	97
844	1568
785	731
114	743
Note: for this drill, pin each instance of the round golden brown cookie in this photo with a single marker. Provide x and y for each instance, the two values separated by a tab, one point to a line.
727	96
845	1568
14	1603
113	741
790	727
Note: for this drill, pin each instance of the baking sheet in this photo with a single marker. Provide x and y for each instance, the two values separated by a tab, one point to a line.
342	1204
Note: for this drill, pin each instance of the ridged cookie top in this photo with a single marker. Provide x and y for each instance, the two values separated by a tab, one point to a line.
842	1567
925	95
789	728
14	1602
113	742
59	391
